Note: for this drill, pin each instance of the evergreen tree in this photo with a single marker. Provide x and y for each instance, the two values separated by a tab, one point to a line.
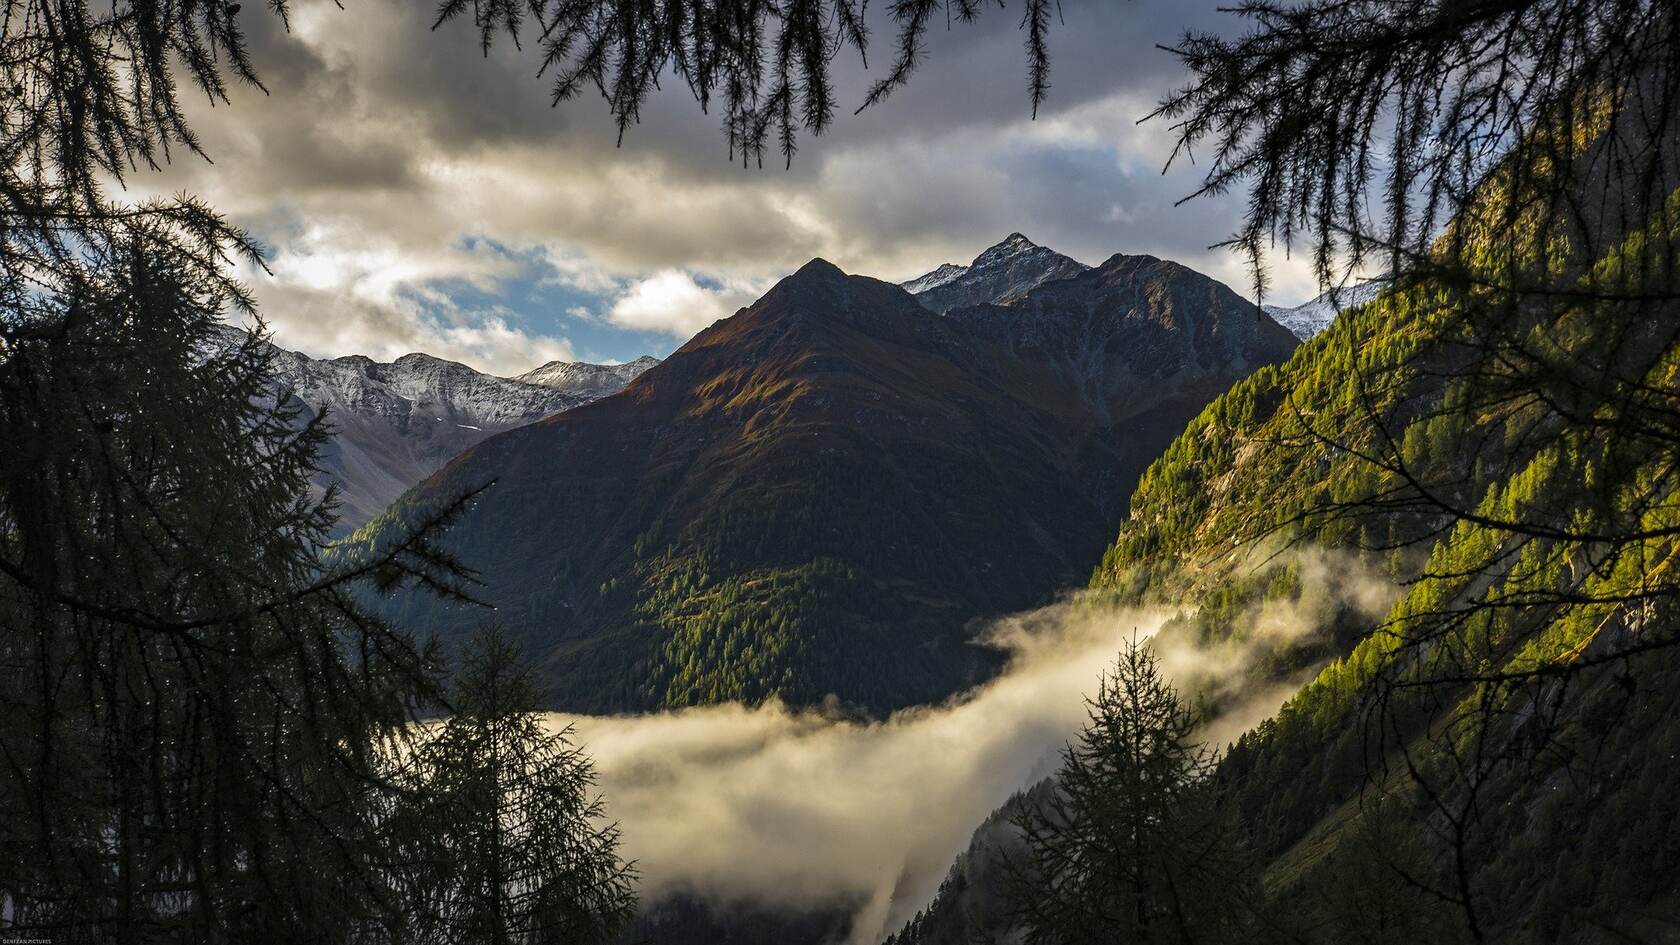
502	839
192	701
1134	844
1375	885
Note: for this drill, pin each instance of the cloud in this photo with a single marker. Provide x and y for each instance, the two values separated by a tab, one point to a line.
330	323
1331	583
338	288
679	304
386	156
798	810
795	810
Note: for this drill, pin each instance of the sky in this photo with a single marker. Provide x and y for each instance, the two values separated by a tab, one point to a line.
414	195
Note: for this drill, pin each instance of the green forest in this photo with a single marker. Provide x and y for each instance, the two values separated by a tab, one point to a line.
1483	763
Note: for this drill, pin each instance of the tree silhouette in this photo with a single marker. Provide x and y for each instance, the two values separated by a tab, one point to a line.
198	706
1515	163
503	841
768	62
193	701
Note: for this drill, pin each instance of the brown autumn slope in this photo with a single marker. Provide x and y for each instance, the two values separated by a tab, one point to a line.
823	494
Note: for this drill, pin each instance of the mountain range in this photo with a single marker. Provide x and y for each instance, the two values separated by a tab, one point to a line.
1311	317
818	497
396	423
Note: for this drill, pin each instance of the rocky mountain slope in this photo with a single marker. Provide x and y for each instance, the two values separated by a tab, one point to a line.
395	424
588	381
1000	274
1310	318
819	495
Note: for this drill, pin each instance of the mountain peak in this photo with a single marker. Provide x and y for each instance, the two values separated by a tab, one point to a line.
421	361
1002	272
933	280
1011	246
585	379
1311	317
819	276
818	269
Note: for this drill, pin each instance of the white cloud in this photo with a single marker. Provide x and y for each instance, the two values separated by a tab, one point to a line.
331	323
381	170
676	303
794	810
341	290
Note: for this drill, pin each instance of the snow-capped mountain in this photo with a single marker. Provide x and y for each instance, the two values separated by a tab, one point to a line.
933	280
1310	318
1000	275
588	380
395	424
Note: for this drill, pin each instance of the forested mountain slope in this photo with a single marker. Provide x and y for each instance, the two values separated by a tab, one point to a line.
1503	739
819	495
1302	781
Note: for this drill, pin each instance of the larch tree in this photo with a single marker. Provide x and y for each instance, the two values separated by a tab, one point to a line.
1515	166
505	841
192	701
1132	844
199	709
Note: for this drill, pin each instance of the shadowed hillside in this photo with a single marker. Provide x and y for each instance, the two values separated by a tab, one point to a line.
820	494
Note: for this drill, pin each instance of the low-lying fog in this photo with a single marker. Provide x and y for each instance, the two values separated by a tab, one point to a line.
777	808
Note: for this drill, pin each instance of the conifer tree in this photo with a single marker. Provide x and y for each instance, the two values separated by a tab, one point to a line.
504	840
192	700
1133	845
1516	165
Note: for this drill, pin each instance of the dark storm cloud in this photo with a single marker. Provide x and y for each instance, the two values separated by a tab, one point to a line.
385	152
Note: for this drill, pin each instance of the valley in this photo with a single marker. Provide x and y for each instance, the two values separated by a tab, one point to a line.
652	506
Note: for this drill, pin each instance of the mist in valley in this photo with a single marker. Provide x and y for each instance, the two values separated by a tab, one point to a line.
780	809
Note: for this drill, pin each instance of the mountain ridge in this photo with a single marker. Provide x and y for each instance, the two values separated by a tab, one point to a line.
1313	316
816	496
586	379
394	423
